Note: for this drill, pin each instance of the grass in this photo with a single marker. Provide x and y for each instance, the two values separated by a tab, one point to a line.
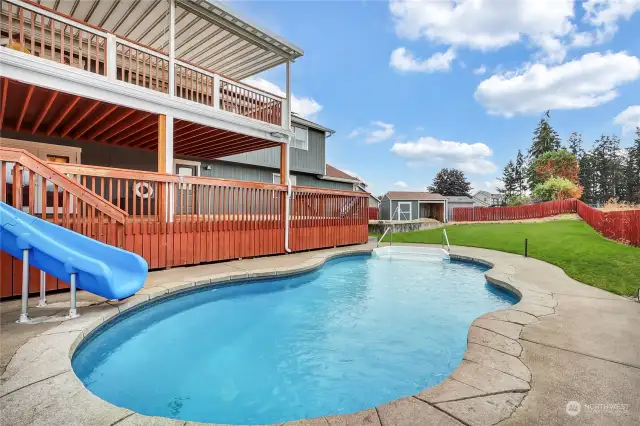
572	245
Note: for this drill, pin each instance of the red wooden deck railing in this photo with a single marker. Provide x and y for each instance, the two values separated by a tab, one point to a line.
37	30
213	219
374	213
29	184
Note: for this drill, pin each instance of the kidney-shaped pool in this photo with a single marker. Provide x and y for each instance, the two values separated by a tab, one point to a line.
354	334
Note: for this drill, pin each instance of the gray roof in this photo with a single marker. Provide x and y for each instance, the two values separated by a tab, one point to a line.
459	199
413	196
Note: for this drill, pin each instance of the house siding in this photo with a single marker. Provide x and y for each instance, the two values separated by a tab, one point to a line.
300	160
415	212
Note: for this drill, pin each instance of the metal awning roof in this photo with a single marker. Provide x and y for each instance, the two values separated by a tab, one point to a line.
208	34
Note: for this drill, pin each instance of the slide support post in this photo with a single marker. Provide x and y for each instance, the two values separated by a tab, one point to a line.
43	290
72	309
24	317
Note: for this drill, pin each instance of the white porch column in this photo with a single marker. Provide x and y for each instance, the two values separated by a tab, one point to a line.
172	48
112	66
165	160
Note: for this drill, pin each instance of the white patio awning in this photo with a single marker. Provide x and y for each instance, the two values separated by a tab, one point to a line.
208	34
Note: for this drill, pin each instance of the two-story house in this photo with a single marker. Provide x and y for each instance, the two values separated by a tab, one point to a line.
143	104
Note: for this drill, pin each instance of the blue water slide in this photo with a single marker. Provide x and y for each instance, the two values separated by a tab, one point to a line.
101	269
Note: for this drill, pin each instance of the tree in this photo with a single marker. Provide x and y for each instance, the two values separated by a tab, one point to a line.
560	163
557	188
450	182
608	169
632	172
509	183
575	145
545	139
520	174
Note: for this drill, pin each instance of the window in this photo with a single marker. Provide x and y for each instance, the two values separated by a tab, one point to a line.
276	178
300	138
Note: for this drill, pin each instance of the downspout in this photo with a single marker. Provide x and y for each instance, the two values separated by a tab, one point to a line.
287	209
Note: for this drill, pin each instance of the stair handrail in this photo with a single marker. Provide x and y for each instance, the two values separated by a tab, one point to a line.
445	238
36	165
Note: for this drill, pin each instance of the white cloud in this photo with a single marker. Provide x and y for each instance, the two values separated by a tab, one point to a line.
484	24
604	14
401	185
378	132
480	70
403	60
629	119
305	107
471	158
582	83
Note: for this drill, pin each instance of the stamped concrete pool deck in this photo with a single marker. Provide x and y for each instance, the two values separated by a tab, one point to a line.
567	353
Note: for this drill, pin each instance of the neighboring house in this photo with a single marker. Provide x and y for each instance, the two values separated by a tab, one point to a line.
487	199
459	201
404	205
350	183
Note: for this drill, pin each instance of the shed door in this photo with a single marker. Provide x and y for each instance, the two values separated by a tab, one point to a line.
404	211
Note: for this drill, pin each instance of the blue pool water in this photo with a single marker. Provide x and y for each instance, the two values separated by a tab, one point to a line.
352	335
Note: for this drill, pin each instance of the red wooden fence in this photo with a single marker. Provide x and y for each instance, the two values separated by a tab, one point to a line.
622	226
373	213
533	211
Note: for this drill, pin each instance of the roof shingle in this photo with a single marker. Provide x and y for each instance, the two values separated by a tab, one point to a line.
411	196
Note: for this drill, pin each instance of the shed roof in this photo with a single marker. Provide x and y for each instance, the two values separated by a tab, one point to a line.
413	196
459	199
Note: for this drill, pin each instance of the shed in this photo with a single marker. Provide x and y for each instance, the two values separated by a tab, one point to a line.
406	205
459	201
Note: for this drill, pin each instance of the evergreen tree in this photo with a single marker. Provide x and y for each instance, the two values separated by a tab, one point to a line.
510	185
450	182
632	172
545	139
520	174
575	145
587	178
608	169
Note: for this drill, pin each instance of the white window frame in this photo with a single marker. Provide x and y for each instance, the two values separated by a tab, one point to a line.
400	209
276	179
295	141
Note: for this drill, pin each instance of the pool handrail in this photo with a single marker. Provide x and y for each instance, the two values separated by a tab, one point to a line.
445	238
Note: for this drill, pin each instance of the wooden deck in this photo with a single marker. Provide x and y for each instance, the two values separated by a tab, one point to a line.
216	219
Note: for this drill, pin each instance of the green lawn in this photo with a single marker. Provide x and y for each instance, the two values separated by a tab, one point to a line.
570	244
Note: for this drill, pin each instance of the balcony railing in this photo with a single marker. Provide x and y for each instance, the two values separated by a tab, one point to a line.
39	31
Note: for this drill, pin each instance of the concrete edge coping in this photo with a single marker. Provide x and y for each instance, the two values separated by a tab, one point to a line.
439	394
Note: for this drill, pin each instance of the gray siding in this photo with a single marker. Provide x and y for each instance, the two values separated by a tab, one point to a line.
311	161
384	208
312	180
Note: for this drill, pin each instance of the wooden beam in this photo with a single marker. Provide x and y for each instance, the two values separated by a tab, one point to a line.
128	126
162	144
5	89
63	115
45	110
25	106
78	119
215	145
145	138
97	120
97	133
134	132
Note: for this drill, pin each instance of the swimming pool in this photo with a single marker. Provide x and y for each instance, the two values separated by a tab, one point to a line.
354	334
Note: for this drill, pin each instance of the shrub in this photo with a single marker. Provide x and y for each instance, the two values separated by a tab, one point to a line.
559	163
557	188
519	200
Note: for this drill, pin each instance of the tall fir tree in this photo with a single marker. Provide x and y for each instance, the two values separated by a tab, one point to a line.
633	170
575	145
510	185
520	174
545	139
608	169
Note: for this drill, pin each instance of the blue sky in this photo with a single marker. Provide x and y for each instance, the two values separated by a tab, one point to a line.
411	86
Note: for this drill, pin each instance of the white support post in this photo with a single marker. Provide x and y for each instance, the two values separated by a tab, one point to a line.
287	126
216	91
24	316
43	290
172	48
169	165
112	66
73	313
